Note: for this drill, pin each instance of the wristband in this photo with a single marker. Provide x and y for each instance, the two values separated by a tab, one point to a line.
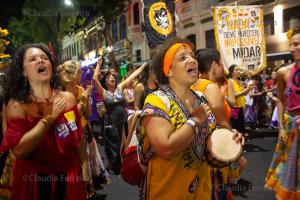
192	123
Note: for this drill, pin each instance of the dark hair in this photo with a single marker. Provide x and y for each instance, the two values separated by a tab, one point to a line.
103	79
17	87
129	66
296	31
158	59
205	58
145	74
231	69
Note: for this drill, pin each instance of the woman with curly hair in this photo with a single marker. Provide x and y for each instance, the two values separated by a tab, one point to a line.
43	129
174	124
115	119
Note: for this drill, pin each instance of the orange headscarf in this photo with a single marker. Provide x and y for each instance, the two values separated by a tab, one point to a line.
169	56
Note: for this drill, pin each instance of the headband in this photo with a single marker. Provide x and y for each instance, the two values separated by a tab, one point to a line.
169	56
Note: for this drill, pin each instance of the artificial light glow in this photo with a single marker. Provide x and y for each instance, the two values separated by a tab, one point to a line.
68	3
278	19
278	8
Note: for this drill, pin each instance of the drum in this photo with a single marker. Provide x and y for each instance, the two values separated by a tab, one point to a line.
221	149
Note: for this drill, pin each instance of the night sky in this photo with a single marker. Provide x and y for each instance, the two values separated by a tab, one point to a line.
8	9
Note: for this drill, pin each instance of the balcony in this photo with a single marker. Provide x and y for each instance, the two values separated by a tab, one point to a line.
185	9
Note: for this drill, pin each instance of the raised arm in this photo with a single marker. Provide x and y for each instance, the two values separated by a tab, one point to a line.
97	84
245	91
132	76
138	92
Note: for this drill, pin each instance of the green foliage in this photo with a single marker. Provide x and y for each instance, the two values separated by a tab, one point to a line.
43	21
48	21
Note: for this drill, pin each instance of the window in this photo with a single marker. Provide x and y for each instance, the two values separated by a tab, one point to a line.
122	27
192	39
269	24
114	31
291	18
138	55
210	41
136	14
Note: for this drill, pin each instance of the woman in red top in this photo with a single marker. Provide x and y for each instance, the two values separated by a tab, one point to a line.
43	129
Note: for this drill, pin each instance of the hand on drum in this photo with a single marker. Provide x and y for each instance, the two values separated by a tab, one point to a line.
238	137
199	114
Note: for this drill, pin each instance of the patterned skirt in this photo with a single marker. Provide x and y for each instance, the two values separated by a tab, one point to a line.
250	115
284	173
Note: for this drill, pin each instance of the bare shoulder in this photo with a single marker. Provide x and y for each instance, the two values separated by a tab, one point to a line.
15	109
284	72
139	86
212	86
69	98
284	69
213	91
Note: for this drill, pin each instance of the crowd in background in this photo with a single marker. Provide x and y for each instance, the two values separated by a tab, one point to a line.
91	107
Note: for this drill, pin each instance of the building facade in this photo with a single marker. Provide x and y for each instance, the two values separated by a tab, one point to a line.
194	21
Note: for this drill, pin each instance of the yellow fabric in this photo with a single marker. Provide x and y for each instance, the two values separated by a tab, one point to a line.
171	179
202	85
240	101
82	117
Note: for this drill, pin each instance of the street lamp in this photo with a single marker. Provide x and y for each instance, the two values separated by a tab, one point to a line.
68	3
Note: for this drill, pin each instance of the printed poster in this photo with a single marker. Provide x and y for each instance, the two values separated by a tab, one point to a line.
239	33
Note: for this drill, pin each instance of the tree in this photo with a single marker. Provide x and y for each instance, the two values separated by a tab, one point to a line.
44	21
110	11
48	21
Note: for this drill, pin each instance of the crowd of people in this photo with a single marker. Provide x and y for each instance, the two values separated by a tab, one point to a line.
182	95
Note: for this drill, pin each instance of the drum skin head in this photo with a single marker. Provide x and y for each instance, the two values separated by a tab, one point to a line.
222	146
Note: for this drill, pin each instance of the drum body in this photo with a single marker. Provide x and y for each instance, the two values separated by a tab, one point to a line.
221	149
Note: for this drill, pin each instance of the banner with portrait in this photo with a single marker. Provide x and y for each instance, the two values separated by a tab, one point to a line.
240	38
159	21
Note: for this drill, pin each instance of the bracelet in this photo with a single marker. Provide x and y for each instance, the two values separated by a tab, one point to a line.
192	123
46	120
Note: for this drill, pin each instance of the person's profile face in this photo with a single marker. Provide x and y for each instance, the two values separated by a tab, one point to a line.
219	70
295	46
236	72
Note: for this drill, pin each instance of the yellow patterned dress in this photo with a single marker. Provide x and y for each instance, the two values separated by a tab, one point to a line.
187	176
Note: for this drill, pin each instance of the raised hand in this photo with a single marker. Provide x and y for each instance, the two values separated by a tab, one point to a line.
86	94
59	105
199	114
